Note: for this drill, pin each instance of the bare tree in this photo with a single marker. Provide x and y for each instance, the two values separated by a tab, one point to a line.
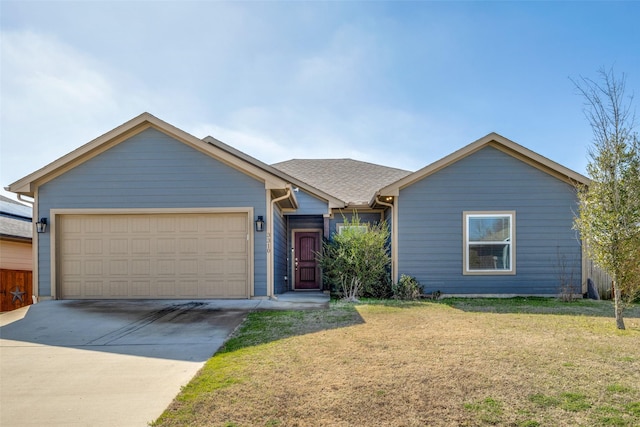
609	208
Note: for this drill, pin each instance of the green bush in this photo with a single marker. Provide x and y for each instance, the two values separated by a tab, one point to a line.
356	261
379	289
407	288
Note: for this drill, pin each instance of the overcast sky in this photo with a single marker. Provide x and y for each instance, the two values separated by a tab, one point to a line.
396	83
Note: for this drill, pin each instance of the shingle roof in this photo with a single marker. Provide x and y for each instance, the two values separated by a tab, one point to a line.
15	228
352	181
15	220
12	208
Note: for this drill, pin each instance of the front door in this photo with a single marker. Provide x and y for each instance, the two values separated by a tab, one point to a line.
307	272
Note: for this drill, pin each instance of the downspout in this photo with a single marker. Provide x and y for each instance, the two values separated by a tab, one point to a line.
270	259
394	238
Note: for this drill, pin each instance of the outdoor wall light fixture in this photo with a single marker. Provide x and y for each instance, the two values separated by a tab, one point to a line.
41	226
260	224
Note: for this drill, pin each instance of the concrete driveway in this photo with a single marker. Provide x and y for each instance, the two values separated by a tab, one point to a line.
105	363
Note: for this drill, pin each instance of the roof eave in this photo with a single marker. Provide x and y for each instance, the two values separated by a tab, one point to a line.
331	200
12	238
28	184
499	142
540	162
374	202
288	203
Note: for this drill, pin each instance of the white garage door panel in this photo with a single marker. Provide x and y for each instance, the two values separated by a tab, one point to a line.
153	256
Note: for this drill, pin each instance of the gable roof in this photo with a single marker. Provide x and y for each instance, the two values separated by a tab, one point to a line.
491	140
15	229
246	164
15	220
333	201
350	180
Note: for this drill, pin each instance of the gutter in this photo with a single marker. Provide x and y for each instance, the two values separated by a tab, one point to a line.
22	199
380	202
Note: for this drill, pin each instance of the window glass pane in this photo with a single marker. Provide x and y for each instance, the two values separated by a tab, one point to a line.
489	229
354	228
489	257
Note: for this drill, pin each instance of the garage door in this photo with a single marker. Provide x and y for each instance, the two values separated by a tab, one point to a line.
153	256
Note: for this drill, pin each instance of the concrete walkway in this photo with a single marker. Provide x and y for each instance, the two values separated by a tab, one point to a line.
113	363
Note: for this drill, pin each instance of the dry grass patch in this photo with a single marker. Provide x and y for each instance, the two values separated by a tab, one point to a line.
419	364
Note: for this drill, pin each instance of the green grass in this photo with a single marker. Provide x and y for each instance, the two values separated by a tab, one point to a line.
488	410
262	327
544	401
539	305
619	388
574	402
633	408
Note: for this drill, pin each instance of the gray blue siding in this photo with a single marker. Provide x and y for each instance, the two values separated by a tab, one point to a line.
430	229
280	251
152	170
310	205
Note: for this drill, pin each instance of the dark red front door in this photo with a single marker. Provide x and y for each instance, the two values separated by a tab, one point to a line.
307	244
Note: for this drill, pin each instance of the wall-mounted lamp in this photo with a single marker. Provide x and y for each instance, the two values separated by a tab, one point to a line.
41	226
260	224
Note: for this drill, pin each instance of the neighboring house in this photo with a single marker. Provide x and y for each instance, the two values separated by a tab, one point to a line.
16	254
149	211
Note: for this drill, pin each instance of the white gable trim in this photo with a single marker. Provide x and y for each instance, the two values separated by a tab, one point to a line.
28	184
492	140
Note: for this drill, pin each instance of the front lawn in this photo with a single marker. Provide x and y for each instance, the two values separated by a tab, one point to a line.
520	362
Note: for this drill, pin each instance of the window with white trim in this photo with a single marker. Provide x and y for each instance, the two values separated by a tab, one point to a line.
341	226
489	240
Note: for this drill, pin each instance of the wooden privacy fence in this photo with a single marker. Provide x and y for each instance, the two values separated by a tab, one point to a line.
601	280
16	289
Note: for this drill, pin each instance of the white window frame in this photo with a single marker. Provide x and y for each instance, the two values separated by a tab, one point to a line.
341	226
466	216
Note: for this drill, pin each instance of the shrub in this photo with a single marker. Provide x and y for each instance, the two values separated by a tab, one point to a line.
380	288
357	260
407	288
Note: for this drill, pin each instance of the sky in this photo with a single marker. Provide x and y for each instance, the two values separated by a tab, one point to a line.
398	83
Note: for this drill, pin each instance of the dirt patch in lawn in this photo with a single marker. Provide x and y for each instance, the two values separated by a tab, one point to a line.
415	365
